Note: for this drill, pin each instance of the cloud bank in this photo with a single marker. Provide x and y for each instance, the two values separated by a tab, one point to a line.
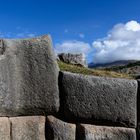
19	33
121	43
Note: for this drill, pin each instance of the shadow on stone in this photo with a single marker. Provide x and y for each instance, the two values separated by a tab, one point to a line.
138	111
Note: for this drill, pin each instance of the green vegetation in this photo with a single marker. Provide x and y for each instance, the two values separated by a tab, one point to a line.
87	71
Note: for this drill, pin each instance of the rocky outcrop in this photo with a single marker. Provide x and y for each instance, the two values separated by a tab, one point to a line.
99	100
28	77
74	59
92	132
59	130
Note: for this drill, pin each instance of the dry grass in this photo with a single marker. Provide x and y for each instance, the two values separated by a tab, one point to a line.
87	71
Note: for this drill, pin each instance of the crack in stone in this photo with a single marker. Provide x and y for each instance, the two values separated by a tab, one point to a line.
2	47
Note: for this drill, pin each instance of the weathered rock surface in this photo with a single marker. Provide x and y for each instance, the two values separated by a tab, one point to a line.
28	77
59	130
4	128
92	132
138	110
75	59
28	128
98	100
138	131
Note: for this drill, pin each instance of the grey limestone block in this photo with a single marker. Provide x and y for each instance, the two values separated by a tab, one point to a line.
28	77
92	132
98	100
59	130
28	128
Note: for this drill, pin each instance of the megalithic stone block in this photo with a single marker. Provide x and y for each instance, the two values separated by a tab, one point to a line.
5	129
28	128
28	77
98	100
92	132
59	130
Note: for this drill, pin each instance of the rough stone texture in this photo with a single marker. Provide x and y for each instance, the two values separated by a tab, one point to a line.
4	128
98	100
28	77
59	130
138	131
75	59
138	110
92	132
28	128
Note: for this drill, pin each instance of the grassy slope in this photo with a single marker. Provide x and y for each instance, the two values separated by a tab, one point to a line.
87	71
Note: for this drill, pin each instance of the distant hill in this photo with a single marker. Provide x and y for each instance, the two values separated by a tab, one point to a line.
131	67
115	63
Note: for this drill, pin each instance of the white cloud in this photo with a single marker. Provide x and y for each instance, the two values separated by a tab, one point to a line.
25	35
66	31
81	35
20	33
18	27
133	25
31	34
73	47
121	43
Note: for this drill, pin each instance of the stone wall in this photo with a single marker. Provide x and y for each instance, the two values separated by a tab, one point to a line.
38	102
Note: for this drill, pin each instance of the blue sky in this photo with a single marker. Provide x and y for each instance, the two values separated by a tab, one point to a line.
70	22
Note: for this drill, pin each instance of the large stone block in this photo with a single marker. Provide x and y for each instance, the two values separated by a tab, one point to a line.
98	100
92	132
59	130
28	77
28	128
74	59
4	129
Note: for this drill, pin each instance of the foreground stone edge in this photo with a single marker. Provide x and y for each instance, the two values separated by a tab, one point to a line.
88	132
